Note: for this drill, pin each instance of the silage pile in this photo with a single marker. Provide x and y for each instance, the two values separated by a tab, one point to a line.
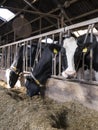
19	112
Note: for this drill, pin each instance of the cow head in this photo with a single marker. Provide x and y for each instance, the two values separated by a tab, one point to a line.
43	70
70	45
12	77
16	68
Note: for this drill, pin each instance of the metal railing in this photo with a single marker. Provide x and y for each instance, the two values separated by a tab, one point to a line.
8	51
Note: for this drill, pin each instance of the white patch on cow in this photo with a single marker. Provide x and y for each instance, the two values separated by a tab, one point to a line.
70	44
96	37
7	77
48	40
18	83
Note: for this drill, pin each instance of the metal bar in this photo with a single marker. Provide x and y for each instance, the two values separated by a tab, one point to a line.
37	53
75	80
40	48
16	14
34	21
8	57
5	58
85	23
26	56
2	58
68	3
54	59
83	15
60	60
58	22
35	9
54	64
83	66
30	51
91	53
88	30
33	12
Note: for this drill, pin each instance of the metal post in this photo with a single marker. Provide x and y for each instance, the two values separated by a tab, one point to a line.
11	54
40	48
2	58
54	73
60	60
58	21
26	56
8	56
52	64
91	53
54	59
88	30
62	21
5	58
30	52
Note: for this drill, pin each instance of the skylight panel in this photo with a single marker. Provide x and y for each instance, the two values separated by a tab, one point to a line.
81	32
6	15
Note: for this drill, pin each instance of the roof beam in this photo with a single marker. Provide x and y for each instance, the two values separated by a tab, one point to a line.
33	12
28	3
68	3
83	15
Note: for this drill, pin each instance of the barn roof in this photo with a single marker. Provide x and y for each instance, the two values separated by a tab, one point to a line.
33	17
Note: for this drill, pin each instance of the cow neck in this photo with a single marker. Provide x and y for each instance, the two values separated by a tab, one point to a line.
17	65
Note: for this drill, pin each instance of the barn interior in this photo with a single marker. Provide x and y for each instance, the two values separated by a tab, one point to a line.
33	17
66	104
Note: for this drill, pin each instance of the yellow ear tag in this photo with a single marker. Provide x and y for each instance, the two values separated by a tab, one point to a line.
37	82
84	50
55	51
14	68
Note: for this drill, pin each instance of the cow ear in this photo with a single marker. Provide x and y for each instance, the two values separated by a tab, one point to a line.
53	47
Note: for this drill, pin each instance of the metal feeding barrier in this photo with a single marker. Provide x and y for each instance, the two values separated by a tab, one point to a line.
8	51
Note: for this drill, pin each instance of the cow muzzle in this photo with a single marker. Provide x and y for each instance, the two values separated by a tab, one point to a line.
69	74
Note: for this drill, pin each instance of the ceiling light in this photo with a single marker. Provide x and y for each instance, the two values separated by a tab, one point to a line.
6	15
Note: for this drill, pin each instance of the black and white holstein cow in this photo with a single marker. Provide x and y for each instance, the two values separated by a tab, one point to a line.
40	72
43	70
75	49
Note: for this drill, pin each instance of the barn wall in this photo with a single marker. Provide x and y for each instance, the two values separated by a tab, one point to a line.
66	91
